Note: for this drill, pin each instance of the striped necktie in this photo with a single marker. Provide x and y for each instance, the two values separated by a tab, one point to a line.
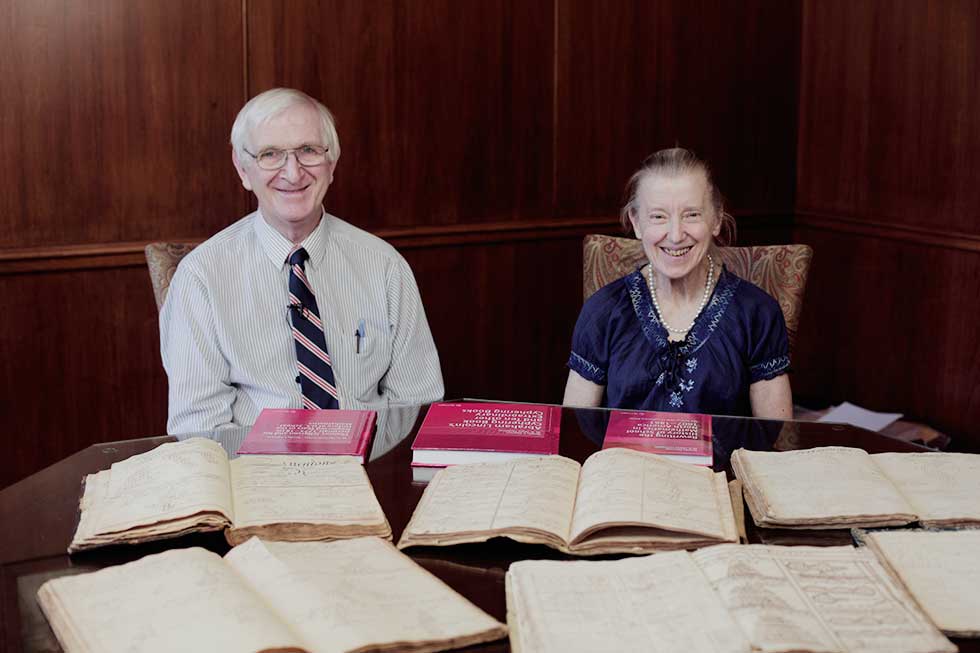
312	361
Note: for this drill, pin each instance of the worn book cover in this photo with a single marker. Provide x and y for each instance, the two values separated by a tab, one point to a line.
318	432
454	433
683	437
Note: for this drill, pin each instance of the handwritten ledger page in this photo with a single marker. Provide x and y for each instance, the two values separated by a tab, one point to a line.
189	486
618	486
172	489
180	600
620	501
360	594
825	487
802	598
304	498
943	488
941	569
621	605
464	502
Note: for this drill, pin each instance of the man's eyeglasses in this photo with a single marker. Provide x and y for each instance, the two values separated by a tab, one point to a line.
306	155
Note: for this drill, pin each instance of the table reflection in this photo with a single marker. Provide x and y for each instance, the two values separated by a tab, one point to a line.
393	425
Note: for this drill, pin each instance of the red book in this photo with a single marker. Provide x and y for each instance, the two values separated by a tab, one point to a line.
318	432
474	433
683	437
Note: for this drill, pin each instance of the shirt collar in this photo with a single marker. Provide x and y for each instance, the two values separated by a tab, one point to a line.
278	248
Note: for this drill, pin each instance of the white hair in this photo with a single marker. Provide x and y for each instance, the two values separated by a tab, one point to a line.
270	103
674	162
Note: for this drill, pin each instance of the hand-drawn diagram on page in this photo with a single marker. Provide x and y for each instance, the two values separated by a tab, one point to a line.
817	599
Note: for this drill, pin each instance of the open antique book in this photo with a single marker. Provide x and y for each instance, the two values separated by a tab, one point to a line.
722	599
190	486
940	569
352	595
618	501
840	487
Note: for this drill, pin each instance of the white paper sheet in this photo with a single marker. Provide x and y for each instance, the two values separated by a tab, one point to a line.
848	413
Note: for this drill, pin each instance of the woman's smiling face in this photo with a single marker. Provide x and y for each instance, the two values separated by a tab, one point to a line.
674	218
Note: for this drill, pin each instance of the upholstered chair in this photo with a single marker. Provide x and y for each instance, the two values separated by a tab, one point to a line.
162	260
780	270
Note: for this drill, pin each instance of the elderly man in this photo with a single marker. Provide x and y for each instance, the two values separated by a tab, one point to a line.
291	306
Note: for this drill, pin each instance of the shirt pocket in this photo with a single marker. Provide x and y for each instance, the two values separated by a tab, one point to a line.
371	338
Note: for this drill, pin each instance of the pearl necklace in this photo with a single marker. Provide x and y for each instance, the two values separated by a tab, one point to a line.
704	297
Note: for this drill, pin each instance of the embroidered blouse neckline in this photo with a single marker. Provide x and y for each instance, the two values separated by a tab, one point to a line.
704	325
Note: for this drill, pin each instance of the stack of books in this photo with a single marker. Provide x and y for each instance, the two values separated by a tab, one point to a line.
459	433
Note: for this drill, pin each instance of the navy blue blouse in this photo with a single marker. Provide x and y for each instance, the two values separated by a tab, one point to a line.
739	338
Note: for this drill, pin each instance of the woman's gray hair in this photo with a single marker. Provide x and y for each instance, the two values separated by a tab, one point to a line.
265	105
674	162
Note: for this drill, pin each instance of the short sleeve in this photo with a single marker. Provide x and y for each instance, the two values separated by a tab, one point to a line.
414	376
769	345
590	350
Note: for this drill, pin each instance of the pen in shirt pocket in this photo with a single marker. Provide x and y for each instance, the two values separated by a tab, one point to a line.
359	335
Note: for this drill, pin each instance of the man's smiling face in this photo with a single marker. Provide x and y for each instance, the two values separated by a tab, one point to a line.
291	197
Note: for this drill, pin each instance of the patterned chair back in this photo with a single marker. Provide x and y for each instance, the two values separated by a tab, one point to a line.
162	260
780	270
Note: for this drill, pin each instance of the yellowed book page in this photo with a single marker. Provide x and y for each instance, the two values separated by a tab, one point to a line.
941	569
620	605
302	489
823	487
622	486
172	481
738	508
804	598
360	594
943	488
180	600
534	493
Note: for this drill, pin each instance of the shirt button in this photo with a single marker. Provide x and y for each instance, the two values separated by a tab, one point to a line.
297	378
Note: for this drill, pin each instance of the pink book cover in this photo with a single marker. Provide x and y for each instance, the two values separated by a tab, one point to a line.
506	428
319	432
684	437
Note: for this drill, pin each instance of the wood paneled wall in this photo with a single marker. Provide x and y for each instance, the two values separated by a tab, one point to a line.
483	138
888	195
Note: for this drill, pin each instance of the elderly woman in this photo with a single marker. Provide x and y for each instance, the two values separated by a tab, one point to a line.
681	333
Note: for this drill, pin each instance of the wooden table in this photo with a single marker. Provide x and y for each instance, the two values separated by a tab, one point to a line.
39	513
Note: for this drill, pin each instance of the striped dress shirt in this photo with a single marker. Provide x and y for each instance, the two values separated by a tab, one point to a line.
226	338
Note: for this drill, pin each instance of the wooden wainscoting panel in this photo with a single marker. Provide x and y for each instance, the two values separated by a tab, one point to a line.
635	77
892	326
444	108
81	364
502	315
889	123
115	119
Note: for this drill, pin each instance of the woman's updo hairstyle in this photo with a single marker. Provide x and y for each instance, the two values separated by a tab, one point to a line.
674	162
